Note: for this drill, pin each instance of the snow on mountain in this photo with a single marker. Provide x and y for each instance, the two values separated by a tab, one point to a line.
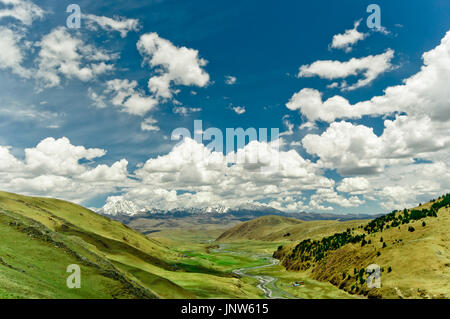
217	209
118	206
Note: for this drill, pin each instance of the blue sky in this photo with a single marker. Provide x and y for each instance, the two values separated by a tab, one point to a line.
262	44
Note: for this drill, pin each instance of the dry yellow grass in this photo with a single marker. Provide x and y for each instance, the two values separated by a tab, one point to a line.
276	228
420	260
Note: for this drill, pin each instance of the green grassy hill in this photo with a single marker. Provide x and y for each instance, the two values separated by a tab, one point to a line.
41	236
411	246
281	229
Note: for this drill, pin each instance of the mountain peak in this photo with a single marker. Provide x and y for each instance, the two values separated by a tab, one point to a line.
117	205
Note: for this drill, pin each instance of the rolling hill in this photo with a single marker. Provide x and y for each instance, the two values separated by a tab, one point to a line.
412	247
153	220
278	228
41	236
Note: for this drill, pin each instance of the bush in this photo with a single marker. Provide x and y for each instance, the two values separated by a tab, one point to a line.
424	224
411	229
389	269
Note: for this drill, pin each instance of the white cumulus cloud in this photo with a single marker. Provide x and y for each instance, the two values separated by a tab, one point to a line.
230	80
62	54
23	10
129	98
119	24
346	40
175	65
11	53
424	93
370	67
238	109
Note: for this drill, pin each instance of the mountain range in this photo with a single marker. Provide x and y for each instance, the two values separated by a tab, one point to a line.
181	257
126	211
119	207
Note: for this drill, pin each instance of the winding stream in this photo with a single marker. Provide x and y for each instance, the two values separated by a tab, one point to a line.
266	283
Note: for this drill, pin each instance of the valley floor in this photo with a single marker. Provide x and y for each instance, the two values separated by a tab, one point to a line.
251	261
41	237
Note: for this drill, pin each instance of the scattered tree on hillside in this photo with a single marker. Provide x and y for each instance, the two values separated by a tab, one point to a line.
309	251
315	250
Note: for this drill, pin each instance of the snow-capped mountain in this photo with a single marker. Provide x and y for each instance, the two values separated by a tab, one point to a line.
221	209
118	206
217	209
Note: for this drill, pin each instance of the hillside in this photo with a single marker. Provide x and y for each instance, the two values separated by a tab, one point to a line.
411	247
41	236
278	228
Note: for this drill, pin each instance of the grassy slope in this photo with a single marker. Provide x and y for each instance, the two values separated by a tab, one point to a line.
263	235
41	237
258	228
40	240
196	247
205	223
312	289
251	248
420	260
275	229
